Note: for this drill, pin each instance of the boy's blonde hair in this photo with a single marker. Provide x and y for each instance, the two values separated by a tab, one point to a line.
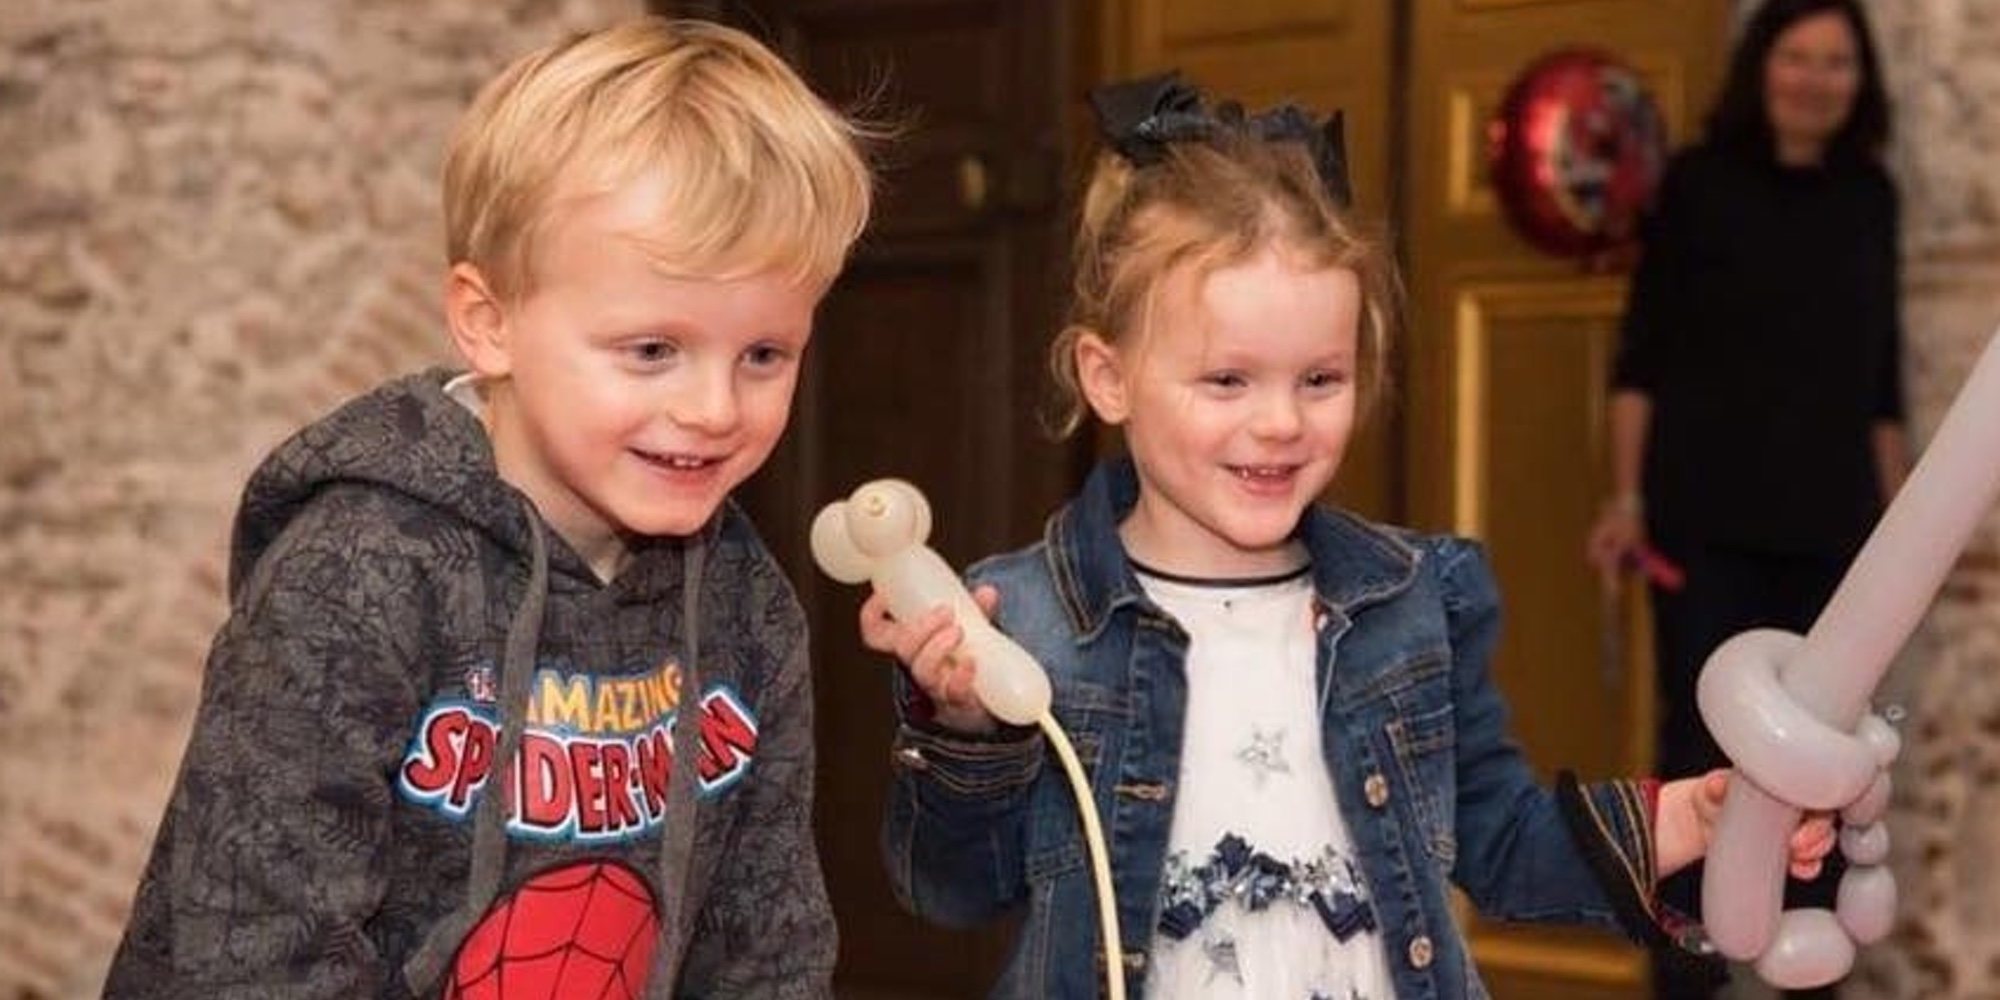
761	173
1208	204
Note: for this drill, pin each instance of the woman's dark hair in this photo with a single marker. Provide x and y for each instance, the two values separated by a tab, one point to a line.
1740	119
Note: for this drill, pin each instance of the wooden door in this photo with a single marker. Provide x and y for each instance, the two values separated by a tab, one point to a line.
927	364
1507	352
1324	54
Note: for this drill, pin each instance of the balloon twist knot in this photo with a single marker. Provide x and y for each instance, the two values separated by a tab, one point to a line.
1789	758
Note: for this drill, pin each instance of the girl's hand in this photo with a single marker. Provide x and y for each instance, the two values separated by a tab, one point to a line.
1686	824
927	647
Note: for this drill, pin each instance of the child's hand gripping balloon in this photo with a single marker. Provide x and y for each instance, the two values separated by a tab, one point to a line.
929	647
877	535
1690	807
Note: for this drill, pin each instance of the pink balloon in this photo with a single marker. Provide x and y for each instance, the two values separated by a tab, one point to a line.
1789	712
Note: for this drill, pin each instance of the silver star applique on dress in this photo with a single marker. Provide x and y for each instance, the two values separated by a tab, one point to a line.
1221	953
1265	754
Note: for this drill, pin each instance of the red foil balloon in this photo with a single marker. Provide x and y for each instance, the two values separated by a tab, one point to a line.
1576	153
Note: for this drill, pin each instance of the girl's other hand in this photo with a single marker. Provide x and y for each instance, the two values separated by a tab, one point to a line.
1689	808
928	647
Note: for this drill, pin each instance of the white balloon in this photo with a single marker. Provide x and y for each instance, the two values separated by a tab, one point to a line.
834	549
877	534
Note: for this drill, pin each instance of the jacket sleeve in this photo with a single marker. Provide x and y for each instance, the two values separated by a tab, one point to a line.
954	834
269	861
1521	845
766	927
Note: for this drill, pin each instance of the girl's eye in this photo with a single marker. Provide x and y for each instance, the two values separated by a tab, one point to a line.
765	356
1225	380
1329	379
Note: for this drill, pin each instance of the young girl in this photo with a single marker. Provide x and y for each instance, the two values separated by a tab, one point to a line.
1293	741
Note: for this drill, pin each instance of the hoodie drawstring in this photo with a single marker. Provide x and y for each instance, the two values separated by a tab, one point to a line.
677	837
489	821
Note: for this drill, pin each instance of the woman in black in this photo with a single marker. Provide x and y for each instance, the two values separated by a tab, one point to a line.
1756	415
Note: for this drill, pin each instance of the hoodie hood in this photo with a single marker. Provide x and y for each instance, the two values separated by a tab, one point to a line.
408	437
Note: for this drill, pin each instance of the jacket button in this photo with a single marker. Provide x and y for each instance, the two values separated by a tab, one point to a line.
1376	790
911	759
1134	961
1420	952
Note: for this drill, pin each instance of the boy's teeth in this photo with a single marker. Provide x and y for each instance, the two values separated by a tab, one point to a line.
676	461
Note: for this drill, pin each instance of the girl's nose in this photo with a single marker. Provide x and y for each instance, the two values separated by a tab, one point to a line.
1279	416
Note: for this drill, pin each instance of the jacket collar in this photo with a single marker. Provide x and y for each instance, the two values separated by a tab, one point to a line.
1354	563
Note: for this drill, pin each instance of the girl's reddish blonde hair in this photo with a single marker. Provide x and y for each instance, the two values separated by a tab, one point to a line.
1209	203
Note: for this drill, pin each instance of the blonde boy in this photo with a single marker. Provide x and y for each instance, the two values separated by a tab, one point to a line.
441	748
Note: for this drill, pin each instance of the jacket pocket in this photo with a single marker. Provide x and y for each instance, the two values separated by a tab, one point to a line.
1055	833
1423	743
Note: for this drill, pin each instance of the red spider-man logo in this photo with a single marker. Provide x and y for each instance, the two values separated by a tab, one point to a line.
584	930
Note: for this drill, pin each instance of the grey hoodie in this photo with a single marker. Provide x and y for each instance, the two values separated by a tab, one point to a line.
400	622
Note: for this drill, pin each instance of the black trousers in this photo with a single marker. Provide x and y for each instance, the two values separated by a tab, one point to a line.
1726	591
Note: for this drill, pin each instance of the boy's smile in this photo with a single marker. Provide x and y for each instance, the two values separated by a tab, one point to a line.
627	400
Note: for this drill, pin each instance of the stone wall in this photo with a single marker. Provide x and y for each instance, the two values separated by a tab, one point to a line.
1943	66
217	217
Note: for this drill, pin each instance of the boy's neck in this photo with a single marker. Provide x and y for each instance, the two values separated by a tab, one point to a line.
606	558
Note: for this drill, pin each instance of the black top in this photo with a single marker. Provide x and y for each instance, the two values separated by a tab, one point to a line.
1764	323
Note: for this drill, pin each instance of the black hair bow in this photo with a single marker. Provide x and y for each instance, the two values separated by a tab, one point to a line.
1139	118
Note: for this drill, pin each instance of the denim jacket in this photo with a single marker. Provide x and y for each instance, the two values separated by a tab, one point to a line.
1433	790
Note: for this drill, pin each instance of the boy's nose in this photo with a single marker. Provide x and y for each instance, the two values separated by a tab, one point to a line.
706	402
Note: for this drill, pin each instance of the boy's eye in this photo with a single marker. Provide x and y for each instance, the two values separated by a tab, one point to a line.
652	352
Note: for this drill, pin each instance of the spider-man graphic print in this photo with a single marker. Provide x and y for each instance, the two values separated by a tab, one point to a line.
584	931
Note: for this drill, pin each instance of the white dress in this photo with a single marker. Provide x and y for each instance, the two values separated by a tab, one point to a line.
1261	896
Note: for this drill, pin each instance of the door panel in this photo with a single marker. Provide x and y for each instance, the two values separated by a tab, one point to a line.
1508	353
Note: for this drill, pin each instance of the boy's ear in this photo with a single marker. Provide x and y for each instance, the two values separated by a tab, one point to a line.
478	321
1100	373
